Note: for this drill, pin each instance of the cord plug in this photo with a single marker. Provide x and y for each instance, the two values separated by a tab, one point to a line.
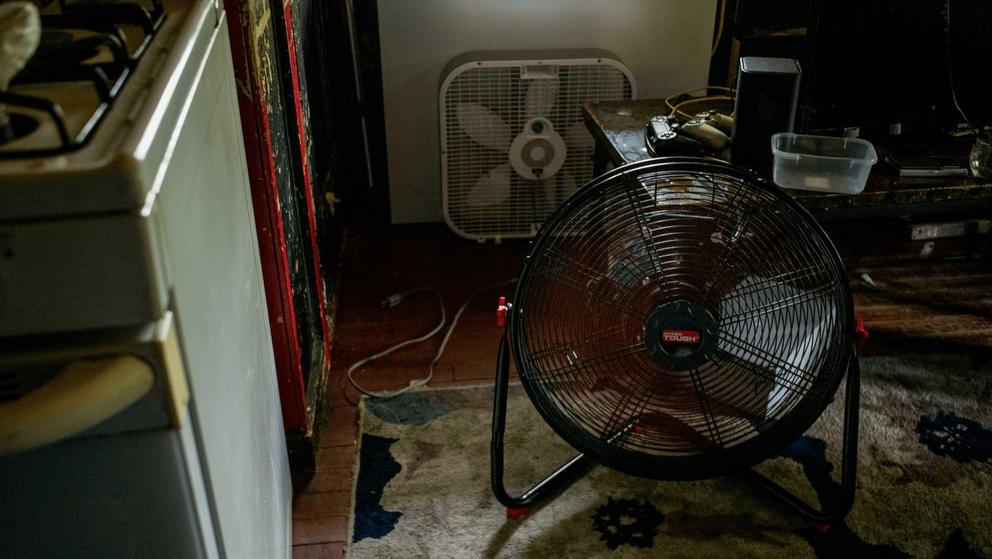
391	301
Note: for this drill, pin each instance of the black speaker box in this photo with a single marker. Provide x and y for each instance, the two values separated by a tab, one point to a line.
767	93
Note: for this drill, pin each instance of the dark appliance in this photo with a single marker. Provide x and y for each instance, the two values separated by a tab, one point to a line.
767	93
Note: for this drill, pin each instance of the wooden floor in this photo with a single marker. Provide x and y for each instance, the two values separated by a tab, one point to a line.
378	263
915	305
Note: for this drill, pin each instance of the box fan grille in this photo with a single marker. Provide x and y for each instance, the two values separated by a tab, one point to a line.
513	141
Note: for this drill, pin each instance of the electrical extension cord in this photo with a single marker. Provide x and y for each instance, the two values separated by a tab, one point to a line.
396	299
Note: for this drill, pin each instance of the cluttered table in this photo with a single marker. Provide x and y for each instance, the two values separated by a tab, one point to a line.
911	301
618	129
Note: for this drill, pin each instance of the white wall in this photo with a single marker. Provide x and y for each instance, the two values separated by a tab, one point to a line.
665	43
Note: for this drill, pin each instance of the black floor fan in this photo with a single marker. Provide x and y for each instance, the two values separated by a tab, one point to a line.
680	319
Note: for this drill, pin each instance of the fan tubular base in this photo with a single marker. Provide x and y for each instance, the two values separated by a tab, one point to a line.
843	500
572	470
557	481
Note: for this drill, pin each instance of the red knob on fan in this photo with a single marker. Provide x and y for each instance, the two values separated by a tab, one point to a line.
860	332
501	312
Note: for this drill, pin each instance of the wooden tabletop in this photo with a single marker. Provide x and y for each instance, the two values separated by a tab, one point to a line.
618	128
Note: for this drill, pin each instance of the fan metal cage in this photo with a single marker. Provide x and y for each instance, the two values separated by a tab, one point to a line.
488	99
681	319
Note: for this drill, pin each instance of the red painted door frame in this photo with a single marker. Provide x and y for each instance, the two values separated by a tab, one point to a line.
253	101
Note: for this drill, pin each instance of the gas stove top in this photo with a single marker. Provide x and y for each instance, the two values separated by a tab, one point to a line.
87	53
95	107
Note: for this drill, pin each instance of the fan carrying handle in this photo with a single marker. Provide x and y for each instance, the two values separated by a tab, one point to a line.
557	481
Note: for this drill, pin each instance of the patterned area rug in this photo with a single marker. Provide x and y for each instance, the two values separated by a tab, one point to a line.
925	481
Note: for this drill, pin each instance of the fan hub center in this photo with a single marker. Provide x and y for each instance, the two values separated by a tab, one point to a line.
680	335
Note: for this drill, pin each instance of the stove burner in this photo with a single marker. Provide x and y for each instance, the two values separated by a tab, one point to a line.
62	47
87	44
14	126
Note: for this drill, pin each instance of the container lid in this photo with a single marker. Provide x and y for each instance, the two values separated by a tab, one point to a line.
766	65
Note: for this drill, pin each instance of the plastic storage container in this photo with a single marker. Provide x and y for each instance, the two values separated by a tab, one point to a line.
822	163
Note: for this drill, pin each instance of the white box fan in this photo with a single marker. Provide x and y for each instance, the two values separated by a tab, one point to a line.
513	142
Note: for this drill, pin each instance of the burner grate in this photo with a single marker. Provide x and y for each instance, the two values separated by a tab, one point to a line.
85	43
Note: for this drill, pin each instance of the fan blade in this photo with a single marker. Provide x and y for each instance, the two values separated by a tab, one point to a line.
578	138
542	94
670	426
556	193
484	127
491	189
566	186
778	327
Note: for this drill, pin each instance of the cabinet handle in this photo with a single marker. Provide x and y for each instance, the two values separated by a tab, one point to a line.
82	395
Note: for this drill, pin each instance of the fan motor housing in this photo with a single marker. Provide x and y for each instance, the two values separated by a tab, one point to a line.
681	335
538	152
